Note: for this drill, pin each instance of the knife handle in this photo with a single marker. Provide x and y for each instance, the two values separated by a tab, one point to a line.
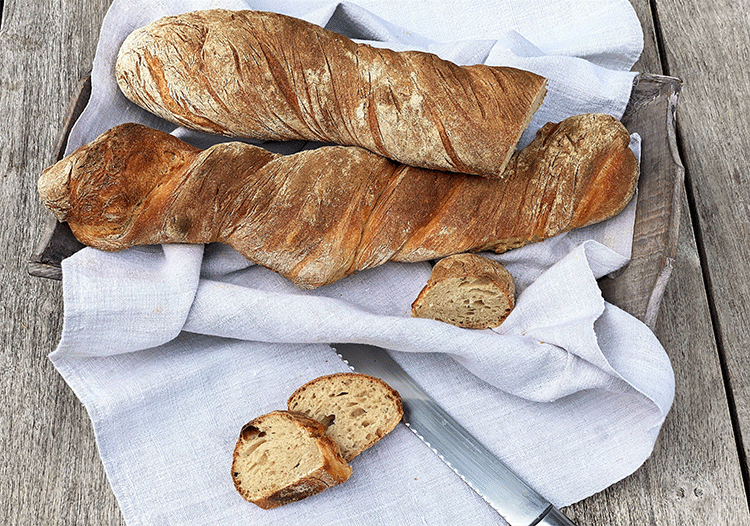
553	517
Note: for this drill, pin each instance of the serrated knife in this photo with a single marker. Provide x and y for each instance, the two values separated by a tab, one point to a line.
514	500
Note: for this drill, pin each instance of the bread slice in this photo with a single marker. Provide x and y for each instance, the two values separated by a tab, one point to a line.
358	409
283	457
467	290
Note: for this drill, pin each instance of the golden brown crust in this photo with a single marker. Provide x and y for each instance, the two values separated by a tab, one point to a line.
270	76
574	173
89	186
319	215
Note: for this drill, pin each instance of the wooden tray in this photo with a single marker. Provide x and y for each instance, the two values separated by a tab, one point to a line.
638	288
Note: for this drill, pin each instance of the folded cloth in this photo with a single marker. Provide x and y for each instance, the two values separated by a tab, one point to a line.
173	348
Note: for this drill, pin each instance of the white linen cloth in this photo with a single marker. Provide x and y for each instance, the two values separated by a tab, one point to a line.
173	348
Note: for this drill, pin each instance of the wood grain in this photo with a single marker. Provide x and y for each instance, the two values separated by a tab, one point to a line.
49	464
694	476
638	288
712	58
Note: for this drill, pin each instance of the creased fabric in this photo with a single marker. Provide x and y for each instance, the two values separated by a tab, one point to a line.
173	348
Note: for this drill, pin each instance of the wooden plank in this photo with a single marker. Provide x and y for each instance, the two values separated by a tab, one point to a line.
49	463
694	476
639	287
708	44
48	453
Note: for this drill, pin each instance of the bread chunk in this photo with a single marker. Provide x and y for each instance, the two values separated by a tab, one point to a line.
283	457
358	409
467	290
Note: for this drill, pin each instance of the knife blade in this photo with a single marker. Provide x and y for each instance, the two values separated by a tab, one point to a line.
517	502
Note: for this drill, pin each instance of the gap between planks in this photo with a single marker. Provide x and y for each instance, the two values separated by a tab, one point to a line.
698	232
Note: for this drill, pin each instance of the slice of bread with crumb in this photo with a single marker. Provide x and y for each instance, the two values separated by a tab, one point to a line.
283	457
357	409
467	290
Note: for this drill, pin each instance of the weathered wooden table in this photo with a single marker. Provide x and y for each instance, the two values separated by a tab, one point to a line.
50	472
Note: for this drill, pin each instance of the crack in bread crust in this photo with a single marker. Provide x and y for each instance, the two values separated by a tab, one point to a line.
370	97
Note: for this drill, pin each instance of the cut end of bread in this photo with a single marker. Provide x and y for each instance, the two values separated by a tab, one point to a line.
283	457
358	410
467	290
541	93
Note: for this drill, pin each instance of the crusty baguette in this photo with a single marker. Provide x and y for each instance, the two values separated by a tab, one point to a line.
319	215
467	290
283	457
358	410
270	76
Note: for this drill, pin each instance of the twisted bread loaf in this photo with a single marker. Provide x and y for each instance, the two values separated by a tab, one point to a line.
270	76
319	215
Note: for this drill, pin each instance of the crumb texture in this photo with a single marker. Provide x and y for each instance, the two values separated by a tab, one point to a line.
283	457
357	409
467	290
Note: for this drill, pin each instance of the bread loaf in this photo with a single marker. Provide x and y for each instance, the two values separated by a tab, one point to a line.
358	410
283	457
270	76
319	215
467	290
